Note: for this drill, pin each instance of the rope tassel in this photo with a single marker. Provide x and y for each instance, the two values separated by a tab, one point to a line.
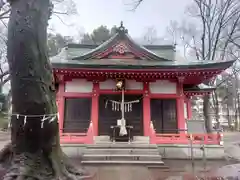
127	107
25	120
42	121
52	119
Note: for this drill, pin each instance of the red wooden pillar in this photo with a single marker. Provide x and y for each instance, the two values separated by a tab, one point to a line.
95	108
180	106
61	104
146	109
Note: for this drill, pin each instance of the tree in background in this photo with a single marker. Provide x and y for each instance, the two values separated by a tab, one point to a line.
61	8
102	34
228	91
150	36
56	42
87	39
98	36
209	33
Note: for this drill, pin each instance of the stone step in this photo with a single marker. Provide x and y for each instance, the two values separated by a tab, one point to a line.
123	145
141	138
136	139
109	142
156	166
121	151
122	162
121	157
101	138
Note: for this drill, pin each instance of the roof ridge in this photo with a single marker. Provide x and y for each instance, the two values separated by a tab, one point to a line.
153	46
118	37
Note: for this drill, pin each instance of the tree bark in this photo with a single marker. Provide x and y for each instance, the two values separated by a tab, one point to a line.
229	118
216	106
237	125
36	150
206	113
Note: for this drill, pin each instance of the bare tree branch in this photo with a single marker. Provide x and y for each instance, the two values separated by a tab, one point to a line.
4	74
134	4
62	7
2	3
219	22
215	37
61	13
236	44
4	13
137	3
5	81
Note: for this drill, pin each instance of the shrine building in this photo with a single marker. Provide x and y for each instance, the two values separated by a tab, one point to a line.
142	91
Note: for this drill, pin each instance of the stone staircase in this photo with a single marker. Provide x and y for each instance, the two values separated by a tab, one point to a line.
138	152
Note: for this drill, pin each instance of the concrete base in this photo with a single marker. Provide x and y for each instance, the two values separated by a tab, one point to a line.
122	162
136	140
176	151
115	153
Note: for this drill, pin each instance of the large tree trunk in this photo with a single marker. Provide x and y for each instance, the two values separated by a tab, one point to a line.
206	113
229	118
216	109
237	121
36	150
237	125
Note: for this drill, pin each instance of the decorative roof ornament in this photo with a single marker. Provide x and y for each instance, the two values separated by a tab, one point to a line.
121	48
122	29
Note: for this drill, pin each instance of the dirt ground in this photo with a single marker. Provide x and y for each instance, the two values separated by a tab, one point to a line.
120	173
127	172
178	168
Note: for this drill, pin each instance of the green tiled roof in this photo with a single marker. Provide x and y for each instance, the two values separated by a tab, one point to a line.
165	51
137	64
76	50
159	57
64	58
200	87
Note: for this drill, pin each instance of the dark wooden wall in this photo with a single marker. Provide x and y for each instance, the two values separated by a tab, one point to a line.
164	115
77	115
108	117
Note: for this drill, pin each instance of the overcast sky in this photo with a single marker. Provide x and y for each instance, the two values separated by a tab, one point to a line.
93	13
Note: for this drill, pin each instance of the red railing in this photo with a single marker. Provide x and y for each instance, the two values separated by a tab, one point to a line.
184	138
155	138
78	138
